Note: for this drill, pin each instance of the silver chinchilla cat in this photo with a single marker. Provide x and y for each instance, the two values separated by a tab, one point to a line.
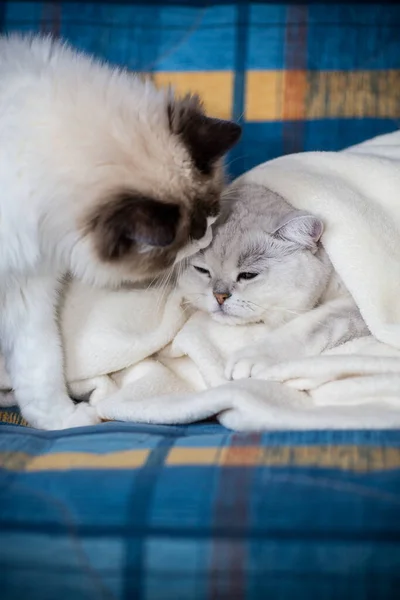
266	264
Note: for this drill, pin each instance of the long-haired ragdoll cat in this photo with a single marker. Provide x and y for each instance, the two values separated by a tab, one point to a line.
102	176
266	265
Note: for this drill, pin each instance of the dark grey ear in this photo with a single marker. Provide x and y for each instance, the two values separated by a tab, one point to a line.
303	230
207	139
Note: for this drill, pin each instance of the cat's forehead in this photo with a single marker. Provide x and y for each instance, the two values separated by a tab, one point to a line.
226	245
239	249
257	249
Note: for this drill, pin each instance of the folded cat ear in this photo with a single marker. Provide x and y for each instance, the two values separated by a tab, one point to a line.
130	220
206	139
303	230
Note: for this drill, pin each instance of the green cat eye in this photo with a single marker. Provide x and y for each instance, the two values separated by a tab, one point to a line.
201	270
246	276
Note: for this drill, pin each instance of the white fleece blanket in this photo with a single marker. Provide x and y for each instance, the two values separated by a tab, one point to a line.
148	361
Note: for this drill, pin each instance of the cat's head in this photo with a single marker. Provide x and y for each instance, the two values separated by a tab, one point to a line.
155	198
259	267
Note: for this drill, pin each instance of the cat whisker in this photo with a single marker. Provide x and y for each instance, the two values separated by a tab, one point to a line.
280	308
151	283
192	299
164	290
187	308
288	310
161	281
235	160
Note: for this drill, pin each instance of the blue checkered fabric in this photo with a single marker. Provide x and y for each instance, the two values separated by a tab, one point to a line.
140	512
314	76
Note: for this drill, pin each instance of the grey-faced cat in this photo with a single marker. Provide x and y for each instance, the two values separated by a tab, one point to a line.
266	265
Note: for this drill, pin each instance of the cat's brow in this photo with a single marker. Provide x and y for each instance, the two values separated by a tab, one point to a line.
258	255
253	255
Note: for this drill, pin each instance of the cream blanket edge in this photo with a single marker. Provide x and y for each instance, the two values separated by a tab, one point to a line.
147	362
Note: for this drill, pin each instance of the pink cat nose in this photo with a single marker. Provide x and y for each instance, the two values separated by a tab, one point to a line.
220	298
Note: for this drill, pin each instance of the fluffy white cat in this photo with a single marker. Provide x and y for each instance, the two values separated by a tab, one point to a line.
102	176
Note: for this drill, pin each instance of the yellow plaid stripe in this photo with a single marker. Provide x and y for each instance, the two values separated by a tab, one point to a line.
360	459
215	88
295	95
12	417
354	94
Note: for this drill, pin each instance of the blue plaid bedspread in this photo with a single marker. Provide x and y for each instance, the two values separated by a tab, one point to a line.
299	76
133	512
189	513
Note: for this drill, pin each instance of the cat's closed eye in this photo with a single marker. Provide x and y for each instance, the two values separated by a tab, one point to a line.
246	276
203	271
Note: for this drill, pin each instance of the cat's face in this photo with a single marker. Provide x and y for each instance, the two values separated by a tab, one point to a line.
254	276
159	203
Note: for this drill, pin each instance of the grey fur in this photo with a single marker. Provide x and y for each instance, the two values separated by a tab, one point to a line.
296	293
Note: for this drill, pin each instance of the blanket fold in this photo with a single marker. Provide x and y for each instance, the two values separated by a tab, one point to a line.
144	358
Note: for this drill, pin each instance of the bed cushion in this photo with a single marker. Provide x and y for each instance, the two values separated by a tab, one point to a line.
181	513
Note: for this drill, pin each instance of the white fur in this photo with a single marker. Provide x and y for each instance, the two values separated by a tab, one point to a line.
294	290
71	129
253	301
355	385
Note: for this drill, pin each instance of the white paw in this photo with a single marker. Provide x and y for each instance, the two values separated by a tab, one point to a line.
105	387
261	366
243	367
238	368
82	416
61	417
